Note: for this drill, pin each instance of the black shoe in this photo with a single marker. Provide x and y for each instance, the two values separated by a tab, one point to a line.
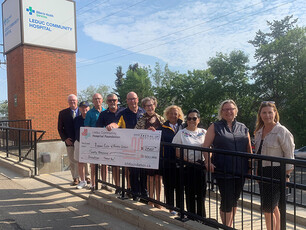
129	193
136	199
118	191
143	201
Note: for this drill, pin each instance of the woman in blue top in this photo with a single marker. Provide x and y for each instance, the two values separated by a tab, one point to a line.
229	171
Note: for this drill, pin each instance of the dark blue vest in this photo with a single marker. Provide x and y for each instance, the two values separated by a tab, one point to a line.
232	140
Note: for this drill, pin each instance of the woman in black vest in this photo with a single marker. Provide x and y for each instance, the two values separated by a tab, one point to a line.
229	171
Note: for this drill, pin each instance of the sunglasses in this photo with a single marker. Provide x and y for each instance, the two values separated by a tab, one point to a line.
192	118
112	100
267	102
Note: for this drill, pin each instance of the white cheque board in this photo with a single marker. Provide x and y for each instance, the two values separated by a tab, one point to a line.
122	147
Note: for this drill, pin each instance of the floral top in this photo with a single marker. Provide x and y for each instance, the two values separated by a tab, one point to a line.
193	138
146	121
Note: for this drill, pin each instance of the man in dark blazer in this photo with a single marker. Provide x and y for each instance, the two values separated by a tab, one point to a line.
66	131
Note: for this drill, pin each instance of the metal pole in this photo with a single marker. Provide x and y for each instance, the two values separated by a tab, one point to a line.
35	153
181	186
19	145
6	143
123	183
96	173
282	201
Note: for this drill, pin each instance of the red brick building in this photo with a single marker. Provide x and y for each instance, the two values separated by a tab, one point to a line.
39	81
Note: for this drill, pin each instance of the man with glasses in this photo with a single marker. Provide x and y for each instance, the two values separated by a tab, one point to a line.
108	119
128	119
90	121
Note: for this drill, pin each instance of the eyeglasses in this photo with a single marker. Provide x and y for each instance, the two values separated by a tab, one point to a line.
98	98
111	100
192	118
266	102
151	105
132	99
229	109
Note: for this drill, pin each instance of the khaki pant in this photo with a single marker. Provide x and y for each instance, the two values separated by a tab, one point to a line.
73	163
76	158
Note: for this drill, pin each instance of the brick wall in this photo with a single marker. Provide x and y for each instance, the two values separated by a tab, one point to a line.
42	79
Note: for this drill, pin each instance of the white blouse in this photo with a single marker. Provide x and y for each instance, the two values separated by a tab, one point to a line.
277	143
193	138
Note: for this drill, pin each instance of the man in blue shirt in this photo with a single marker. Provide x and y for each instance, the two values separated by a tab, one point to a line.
93	114
90	121
106	118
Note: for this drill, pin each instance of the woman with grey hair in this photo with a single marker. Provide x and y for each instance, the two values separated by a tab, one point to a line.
229	170
151	121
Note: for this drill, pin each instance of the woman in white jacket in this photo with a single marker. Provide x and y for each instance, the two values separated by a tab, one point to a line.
271	139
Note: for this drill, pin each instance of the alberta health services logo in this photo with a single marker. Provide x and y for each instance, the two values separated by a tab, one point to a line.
42	22
30	10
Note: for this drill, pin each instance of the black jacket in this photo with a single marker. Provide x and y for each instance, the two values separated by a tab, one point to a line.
65	125
168	153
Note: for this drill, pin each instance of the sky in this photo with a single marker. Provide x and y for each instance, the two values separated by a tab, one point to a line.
182	34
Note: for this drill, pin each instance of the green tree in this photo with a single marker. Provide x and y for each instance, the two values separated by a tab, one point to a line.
231	73
118	82
137	80
280	73
86	94
167	84
4	108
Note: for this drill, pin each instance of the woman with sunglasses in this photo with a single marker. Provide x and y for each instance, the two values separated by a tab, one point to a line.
151	121
271	139
229	171
194	171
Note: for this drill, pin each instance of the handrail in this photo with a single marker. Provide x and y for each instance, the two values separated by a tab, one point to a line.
37	140
30	140
22	129
15	120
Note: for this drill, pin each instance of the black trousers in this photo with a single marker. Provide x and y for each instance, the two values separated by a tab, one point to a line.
171	179
195	188
138	180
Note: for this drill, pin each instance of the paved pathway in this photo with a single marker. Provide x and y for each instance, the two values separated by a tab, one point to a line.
26	203
243	220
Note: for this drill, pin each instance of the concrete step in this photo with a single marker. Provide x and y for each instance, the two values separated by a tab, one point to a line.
19	168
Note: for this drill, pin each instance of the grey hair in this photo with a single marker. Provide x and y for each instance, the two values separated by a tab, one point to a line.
71	95
111	95
146	99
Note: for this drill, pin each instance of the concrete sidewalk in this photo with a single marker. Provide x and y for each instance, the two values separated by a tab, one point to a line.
146	217
136	213
27	203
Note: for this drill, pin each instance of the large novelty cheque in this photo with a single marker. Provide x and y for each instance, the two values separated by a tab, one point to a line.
122	147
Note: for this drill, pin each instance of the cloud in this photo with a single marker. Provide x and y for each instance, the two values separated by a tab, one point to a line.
186	33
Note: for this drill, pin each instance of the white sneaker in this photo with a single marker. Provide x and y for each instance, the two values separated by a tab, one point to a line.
81	185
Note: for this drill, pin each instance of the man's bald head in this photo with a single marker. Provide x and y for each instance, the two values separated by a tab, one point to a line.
132	101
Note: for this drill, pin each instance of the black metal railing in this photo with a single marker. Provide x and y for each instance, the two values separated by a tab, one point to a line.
23	124
20	143
182	165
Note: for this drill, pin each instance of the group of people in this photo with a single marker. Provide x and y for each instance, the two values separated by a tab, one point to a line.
226	134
